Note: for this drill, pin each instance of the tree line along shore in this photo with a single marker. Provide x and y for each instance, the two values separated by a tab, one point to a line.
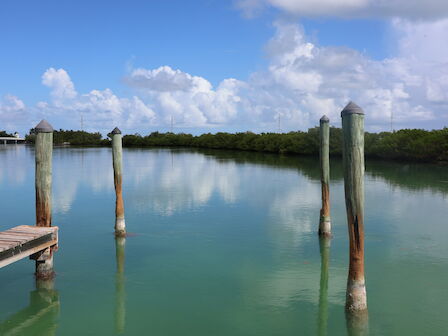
406	145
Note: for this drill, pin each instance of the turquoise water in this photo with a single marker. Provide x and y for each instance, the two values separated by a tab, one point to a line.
223	243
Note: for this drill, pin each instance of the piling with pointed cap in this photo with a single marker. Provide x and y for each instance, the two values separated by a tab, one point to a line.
353	162
120	226
324	221
43	179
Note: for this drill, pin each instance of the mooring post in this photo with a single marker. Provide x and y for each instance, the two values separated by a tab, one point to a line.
325	222
353	161
117	156
43	176
324	245
120	304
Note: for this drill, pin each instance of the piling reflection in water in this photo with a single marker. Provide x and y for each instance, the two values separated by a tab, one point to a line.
41	315
324	245
120	304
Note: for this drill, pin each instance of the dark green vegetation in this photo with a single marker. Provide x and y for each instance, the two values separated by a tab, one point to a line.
408	144
4	134
76	138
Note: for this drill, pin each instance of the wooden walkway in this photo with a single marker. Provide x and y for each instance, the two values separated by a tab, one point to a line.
24	240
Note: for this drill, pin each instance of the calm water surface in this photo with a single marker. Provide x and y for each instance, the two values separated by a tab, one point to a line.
224	243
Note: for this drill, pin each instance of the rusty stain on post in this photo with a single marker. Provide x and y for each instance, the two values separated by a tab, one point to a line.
353	161
325	221
117	156
43	179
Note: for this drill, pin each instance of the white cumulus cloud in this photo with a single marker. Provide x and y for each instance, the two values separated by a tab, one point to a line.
61	85
302	82
190	100
101	109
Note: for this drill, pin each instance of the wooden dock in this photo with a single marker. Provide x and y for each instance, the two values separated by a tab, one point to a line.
24	240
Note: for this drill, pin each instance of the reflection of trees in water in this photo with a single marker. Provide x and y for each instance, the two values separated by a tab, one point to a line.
186	178
40	317
410	176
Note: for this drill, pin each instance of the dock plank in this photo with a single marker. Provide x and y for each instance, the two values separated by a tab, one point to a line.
22	241
19	232
16	237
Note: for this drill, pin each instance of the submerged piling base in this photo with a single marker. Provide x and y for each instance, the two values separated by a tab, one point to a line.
357	323
120	227
44	265
356	299
324	226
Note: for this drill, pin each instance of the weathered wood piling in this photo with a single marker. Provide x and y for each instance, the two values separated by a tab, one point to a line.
324	245
117	156
353	162
120	303
325	222
43	178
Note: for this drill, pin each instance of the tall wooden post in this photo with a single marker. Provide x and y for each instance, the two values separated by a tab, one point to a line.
43	177
120	304
324	245
353	161
117	156
325	222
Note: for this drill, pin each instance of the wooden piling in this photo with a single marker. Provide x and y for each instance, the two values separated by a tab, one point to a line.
117	156
43	178
120	304
324	245
325	222
353	162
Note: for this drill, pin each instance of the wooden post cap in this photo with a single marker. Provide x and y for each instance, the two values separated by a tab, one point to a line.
324	119
116	130
43	127
351	108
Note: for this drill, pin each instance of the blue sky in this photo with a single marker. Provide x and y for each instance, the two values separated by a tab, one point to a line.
217	65
96	40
